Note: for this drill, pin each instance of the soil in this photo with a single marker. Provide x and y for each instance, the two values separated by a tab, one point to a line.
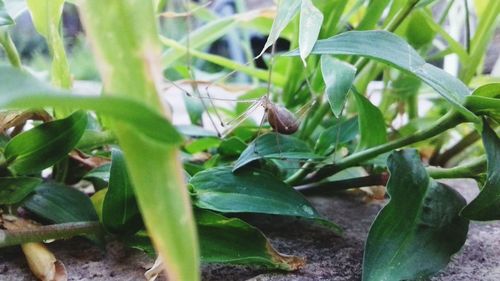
329	257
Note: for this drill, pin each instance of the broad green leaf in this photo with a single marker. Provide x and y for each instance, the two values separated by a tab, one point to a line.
231	240
14	190
120	214
371	123
251	191
338	77
389	48
485	100
46	17
339	134
5	19
486	206
203	144
99	176
21	90
59	203
415	234
124	37
311	20
287	9
275	146
232	147
44	145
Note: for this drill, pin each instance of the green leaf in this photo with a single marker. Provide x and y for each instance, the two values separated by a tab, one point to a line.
5	18
339	134
21	90
373	14
232	147
14	190
99	176
371	123
252	191
485	100
120	214
415	234
486	206
202	144
44	145
275	146
287	9
389	48
311	20
338	77
231	240
59	203
46	17
129	63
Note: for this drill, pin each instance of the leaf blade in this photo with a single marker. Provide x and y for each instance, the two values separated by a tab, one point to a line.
338	77
44	145
425	228
389	48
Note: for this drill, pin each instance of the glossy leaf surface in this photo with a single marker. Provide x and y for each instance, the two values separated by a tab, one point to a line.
219	189
275	146
486	206
416	233
59	203
14	190
371	123
339	134
44	145
389	48
311	20
120	213
231	240
287	9
338	77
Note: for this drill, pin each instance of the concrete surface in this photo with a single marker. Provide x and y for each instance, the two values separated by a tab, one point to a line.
329	257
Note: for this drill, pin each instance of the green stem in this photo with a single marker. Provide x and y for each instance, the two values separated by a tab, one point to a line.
47	232
10	49
460	146
448	121
470	170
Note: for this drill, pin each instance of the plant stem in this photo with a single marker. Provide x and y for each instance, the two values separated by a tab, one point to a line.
10	49
48	232
470	170
460	146
448	121
329	186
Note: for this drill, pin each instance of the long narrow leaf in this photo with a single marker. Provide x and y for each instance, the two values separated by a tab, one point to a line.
389	48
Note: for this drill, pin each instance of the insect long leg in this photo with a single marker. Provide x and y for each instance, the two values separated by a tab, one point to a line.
240	119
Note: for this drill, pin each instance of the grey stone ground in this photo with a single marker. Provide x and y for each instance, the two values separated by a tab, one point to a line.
329	257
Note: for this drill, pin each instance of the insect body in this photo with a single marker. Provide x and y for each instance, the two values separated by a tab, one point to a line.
280	118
